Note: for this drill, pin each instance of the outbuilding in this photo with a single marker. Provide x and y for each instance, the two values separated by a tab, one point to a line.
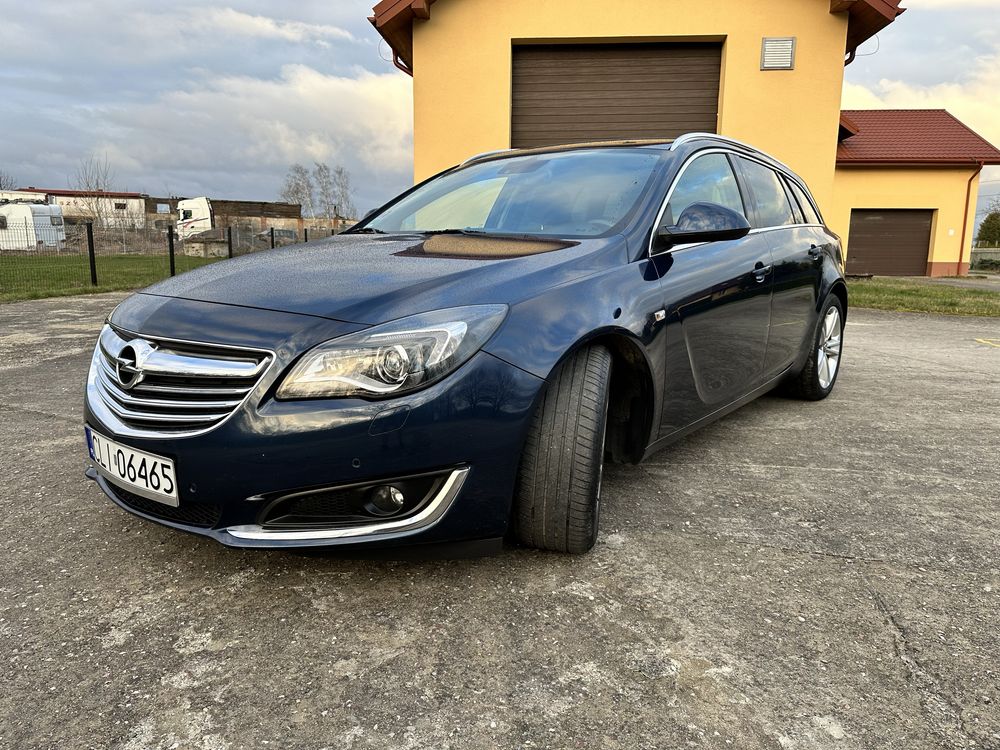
489	75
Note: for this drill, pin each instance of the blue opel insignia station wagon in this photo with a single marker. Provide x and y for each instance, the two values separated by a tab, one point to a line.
459	365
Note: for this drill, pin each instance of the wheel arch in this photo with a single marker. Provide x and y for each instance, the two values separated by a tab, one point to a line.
633	402
839	288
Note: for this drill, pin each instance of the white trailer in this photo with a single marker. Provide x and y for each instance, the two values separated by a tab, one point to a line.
194	215
31	226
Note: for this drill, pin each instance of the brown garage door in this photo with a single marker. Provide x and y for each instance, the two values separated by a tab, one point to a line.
596	92
889	242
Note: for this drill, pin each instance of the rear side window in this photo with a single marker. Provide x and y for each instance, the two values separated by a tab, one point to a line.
808	209
773	208
708	179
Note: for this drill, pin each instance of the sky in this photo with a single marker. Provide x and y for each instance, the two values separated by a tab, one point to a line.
219	98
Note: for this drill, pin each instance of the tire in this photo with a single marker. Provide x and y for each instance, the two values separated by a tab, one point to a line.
815	381
558	497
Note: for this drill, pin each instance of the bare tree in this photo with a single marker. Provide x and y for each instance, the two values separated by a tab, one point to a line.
342	191
298	188
94	176
326	198
7	181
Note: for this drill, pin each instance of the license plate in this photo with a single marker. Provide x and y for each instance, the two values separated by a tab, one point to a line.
143	473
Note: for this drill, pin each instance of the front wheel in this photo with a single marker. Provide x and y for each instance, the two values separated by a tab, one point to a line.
558	499
817	378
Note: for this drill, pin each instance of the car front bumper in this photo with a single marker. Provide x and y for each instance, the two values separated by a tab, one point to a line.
470	427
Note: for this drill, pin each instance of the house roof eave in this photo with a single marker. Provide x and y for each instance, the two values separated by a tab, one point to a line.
393	19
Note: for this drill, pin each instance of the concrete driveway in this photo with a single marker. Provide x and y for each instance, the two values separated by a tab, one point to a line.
795	576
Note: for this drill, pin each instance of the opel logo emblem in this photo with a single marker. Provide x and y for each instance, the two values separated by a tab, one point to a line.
129	362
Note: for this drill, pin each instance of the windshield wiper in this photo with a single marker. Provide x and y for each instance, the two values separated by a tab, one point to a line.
367	230
452	231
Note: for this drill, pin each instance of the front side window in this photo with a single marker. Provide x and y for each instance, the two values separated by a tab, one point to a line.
578	193
707	179
773	208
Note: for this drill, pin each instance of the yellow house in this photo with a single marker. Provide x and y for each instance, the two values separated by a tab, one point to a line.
491	75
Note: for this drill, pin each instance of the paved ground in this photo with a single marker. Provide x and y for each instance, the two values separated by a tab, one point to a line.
795	576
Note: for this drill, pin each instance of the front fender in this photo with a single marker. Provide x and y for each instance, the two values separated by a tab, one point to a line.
616	304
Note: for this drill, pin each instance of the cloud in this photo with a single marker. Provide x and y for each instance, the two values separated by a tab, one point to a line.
124	33
934	4
203	98
974	100
244	132
234	22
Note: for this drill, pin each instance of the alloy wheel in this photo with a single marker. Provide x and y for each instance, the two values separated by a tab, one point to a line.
830	343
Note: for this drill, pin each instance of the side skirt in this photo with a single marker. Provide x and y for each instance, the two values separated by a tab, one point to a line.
676	435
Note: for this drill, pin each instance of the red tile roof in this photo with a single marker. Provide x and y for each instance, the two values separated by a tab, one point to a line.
910	136
74	193
393	19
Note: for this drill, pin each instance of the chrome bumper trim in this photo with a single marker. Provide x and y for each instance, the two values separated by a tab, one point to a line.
426	518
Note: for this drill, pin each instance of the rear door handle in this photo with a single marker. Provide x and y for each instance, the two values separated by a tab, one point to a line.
760	271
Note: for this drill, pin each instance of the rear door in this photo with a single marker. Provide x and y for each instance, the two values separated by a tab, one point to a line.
796	251
717	302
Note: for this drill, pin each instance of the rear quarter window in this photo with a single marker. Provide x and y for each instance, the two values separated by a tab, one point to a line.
806	204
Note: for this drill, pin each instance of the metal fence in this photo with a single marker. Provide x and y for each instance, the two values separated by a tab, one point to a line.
43	261
985	257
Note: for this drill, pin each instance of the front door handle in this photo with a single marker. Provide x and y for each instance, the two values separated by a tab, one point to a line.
760	271
814	251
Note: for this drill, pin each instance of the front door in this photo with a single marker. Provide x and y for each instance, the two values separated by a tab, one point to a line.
717	299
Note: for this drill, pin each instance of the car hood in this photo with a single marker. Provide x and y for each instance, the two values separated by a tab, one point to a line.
369	279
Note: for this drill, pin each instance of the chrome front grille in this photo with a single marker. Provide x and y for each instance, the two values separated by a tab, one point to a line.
147	386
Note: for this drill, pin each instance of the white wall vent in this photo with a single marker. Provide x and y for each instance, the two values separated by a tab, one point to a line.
777	53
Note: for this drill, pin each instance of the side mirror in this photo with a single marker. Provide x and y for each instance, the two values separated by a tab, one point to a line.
703	222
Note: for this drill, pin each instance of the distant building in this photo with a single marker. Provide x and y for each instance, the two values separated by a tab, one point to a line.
105	208
142	211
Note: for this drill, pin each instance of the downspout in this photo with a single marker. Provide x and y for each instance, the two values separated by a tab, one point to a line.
400	64
965	216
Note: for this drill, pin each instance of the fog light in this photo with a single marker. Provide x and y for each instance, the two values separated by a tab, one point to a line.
385	500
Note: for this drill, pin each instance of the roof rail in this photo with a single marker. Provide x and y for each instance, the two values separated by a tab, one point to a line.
485	154
681	140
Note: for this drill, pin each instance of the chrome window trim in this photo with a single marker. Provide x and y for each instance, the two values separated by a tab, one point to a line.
426	518
116	427
680	173
680	141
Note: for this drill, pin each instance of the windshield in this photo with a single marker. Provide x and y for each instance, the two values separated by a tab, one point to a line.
580	193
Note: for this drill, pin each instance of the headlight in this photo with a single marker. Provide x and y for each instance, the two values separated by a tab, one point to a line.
393	358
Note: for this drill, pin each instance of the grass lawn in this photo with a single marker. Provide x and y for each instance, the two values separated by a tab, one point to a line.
914	296
34	277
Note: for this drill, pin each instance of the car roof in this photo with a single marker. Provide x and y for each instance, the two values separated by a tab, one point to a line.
685	144
661	144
